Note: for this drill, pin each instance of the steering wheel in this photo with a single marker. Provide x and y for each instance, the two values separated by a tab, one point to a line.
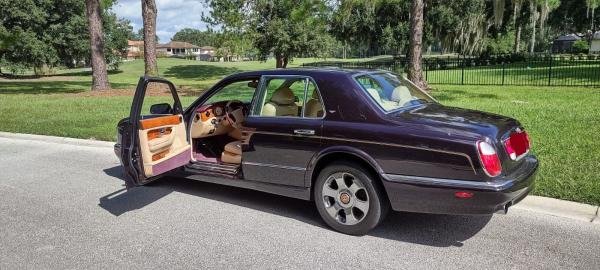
235	113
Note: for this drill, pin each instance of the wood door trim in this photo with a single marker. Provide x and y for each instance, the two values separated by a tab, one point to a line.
160	121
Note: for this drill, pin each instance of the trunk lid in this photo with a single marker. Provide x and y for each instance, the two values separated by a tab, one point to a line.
475	125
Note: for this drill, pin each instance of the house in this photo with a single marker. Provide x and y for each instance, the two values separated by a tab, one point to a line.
564	43
178	48
206	53
595	44
135	49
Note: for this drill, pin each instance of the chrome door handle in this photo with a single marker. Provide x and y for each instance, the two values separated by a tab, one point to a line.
304	132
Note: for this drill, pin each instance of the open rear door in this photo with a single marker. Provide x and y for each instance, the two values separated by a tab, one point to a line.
157	142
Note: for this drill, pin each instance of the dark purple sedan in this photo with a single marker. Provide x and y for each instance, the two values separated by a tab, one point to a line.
356	142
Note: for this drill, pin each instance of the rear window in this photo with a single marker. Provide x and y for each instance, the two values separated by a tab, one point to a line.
392	92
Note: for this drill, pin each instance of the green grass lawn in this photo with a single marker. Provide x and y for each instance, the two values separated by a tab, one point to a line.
564	122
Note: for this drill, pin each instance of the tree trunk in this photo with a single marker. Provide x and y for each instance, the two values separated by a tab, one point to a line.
518	39
99	74
517	44
592	28
534	18
415	72
281	60
149	17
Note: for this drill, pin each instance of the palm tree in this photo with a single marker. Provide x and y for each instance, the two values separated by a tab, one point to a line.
415	72
99	74
149	16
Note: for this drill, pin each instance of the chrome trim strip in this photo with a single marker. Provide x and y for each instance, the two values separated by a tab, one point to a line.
449	183
273	166
372	142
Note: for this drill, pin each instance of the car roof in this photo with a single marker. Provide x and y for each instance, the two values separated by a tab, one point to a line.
306	71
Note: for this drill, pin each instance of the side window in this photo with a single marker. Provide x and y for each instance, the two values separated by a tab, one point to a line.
240	90
158	99
314	105
290	97
282	97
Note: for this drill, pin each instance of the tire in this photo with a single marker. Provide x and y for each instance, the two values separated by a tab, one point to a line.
349	198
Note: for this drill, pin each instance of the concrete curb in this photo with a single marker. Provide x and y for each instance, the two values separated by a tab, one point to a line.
560	208
54	139
549	206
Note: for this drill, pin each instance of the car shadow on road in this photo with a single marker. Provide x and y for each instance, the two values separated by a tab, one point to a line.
424	229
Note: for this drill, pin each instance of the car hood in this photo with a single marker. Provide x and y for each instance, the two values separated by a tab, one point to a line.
456	120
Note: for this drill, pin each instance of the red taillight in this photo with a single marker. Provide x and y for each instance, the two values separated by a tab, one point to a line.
489	159
463	194
517	144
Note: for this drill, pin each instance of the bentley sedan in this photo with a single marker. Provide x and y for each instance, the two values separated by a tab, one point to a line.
356	142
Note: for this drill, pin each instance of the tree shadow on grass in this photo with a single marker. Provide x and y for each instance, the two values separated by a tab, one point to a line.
448	95
50	87
79	73
198	72
423	229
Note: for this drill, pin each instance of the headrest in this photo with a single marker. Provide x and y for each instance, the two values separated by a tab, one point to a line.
315	95
283	96
401	93
253	84
374	94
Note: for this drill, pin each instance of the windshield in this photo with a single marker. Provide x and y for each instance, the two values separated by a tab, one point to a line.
392	92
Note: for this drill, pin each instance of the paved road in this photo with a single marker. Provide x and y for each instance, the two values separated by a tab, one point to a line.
63	206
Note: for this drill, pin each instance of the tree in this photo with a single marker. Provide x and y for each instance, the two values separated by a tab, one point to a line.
149	17
284	28
43	34
591	5
116	33
99	74
415	73
517	4
197	37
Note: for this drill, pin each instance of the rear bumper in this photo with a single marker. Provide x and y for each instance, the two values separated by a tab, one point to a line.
435	195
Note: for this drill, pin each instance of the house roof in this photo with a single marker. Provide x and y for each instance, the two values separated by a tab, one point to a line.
569	37
207	48
177	44
135	43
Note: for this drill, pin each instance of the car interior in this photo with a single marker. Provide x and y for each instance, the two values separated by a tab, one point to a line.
216	129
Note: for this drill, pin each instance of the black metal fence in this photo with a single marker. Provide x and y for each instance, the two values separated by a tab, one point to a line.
545	70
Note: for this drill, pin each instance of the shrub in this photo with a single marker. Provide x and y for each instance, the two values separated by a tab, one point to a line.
581	46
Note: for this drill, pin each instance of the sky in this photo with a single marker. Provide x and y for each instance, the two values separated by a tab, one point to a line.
173	15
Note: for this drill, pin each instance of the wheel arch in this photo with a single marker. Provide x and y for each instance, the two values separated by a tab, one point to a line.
337	153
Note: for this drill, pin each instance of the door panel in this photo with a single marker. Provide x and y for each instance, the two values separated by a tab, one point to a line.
157	136
163	144
282	141
275	154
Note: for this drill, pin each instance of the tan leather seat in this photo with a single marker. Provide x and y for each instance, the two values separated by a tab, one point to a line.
314	107
232	153
282	103
401	95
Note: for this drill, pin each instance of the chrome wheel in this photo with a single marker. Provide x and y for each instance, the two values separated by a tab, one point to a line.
345	198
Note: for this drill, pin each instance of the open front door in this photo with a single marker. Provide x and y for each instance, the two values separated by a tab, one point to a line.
157	140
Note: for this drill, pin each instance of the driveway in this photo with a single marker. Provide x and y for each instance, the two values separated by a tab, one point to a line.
64	206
